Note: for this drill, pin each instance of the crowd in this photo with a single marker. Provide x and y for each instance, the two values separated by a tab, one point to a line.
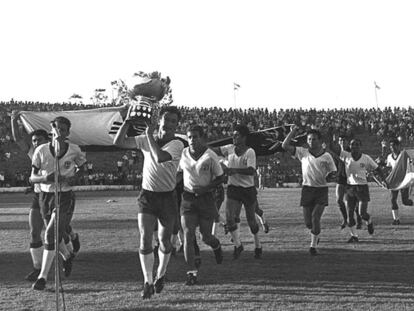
218	123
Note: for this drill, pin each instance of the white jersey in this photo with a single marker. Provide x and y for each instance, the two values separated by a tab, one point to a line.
246	160
159	177
199	172
315	169
356	170
391	161
36	186
44	160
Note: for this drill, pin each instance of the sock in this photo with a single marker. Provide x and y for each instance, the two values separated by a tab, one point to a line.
395	214
48	256
36	254
236	237
147	263
257	243
314	240
163	263
353	231
213	229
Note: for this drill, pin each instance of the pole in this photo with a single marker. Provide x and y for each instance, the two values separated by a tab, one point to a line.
57	211
376	96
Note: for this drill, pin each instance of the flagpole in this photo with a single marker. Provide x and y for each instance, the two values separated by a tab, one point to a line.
234	97
376	95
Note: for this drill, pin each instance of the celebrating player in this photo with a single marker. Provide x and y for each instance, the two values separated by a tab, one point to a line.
202	173
241	189
316	166
390	162
70	160
157	199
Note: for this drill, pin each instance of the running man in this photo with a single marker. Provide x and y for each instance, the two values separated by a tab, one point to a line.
241	189
316	166
390	162
202	173
357	165
70	161
157	199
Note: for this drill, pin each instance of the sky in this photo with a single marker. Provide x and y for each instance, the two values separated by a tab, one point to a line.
283	54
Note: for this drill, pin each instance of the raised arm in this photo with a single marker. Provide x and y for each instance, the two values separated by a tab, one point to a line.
120	139
286	145
23	142
159	154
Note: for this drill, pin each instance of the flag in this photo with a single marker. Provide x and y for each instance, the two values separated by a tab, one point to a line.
92	129
236	86
402	174
265	142
376	86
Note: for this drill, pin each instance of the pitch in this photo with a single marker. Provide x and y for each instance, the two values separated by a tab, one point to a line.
375	274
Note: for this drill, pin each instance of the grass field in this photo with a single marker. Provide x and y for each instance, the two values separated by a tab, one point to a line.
376	274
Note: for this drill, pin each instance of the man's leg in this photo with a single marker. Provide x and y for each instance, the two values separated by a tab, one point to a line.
36	246
254	227
209	239
363	207
394	207
189	223
146	223
340	193
260	214
352	205
316	223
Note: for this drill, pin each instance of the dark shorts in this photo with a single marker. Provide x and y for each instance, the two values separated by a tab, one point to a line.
162	205
202	205
356	193
247	196
47	203
35	201
312	196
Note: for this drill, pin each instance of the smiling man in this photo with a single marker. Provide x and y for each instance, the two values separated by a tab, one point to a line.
157	199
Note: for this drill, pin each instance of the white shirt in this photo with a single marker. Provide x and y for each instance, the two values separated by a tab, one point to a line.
159	177
391	161
356	171
36	186
315	169
44	160
246	160
199	172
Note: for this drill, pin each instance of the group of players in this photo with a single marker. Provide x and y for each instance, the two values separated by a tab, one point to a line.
161	210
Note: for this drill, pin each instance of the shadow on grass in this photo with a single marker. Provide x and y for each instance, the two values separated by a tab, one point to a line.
275	268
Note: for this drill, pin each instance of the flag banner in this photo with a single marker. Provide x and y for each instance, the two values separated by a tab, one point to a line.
265	142
92	129
402	175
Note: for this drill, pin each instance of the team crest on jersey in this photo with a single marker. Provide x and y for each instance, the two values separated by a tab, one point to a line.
362	165
205	167
67	164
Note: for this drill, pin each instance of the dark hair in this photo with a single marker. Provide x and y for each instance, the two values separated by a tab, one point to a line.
170	109
63	120
358	140
395	141
196	128
242	129
40	132
315	132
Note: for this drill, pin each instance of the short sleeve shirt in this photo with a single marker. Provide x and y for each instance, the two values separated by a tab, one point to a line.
43	159
246	160
315	169
391	161
356	170
159	177
200	172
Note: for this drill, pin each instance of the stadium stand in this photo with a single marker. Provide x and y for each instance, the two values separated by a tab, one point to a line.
371	125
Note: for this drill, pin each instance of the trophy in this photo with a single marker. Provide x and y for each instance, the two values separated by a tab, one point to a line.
145	100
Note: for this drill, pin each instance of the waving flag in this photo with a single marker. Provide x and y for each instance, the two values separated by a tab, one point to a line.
265	142
92	130
402	175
